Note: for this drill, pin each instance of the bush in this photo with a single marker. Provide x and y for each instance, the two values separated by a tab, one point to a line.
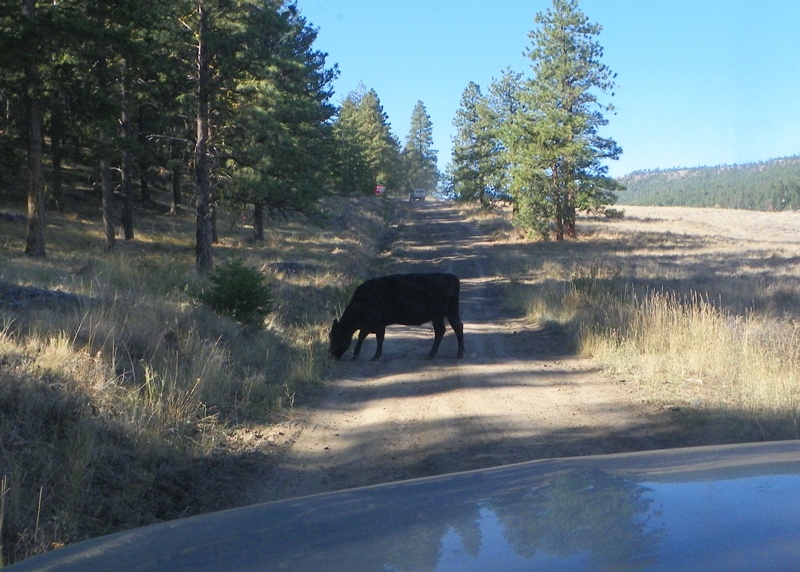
240	292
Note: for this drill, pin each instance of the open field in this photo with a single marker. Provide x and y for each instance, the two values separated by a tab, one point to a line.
700	306
125	401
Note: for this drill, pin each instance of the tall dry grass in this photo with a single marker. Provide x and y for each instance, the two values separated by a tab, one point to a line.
118	389
691	350
702	319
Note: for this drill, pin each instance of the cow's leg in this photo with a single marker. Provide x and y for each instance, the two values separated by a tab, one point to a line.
458	327
438	334
379	336
362	335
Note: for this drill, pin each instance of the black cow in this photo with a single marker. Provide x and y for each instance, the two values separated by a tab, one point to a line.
406	299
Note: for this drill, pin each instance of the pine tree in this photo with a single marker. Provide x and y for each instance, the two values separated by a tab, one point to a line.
245	53
473	147
479	170
35	241
555	146
418	154
280	136
503	104
350	170
382	148
368	153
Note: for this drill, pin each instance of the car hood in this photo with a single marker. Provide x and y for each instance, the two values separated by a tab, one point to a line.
733	507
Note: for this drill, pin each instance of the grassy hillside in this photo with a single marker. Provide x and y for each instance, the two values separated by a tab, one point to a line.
120	391
771	185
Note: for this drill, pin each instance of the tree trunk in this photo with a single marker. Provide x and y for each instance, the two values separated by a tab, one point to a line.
571	232
213	204
34	243
106	190
56	154
204	257
107	196
569	206
258	222
127	158
559	200
176	191
176	161
144	166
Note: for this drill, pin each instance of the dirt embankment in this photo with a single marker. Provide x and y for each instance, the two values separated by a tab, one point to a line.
517	395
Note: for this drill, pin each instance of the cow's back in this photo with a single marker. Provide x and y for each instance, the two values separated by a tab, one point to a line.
411	299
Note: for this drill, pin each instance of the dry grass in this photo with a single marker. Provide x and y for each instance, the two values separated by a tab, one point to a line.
117	394
118	403
699	307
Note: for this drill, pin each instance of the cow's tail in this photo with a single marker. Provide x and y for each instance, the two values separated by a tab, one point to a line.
452	307
454	316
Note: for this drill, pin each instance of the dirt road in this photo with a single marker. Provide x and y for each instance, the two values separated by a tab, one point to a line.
517	395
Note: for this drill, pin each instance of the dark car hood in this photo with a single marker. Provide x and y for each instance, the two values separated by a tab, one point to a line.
708	508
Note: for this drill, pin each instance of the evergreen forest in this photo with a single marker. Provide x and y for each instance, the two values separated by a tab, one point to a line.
765	186
215	103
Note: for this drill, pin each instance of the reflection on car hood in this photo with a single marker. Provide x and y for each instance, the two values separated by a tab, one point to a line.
708	508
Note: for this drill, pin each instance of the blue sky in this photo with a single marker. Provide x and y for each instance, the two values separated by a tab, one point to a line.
700	82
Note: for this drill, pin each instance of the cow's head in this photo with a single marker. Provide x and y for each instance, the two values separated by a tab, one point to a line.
340	340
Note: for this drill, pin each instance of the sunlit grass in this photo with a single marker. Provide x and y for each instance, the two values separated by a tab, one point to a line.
747	362
119	374
726	353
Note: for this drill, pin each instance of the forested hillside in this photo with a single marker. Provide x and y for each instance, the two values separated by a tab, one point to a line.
769	185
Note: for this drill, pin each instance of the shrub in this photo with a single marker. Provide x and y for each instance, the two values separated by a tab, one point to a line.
240	292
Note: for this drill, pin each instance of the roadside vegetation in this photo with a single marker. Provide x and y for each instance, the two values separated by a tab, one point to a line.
708	327
692	352
122	392
124	397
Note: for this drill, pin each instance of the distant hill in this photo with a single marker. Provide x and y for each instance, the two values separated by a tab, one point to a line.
769	185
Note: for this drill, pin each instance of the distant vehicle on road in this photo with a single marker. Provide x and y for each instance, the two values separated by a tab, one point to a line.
417	195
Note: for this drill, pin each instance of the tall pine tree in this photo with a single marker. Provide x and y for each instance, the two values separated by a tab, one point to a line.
473	148
35	241
367	152
350	170
557	153
419	157
280	135
479	169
